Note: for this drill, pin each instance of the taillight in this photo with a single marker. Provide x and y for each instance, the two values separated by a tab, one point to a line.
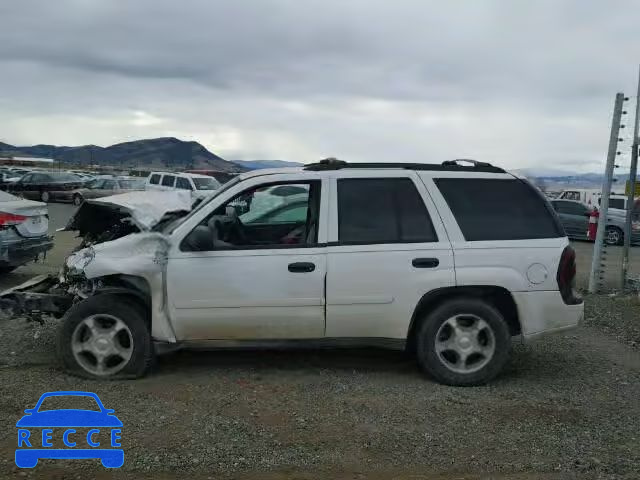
10	219
567	276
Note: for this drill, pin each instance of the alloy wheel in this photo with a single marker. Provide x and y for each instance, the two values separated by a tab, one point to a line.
465	343
102	344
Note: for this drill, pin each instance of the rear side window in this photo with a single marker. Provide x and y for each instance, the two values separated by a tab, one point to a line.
168	180
382	210
183	183
155	179
495	209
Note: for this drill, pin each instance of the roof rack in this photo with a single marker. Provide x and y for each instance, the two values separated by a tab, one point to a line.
448	165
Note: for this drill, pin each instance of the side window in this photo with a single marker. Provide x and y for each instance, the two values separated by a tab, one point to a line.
28	178
168	180
40	177
616	203
109	185
256	218
382	210
183	183
155	179
498	209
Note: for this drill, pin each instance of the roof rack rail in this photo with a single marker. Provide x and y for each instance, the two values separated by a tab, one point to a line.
446	166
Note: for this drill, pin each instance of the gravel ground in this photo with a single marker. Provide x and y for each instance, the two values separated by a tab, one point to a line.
354	413
617	316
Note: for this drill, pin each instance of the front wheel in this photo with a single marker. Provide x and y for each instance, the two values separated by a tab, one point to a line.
613	236
77	199
463	342
44	196
105	336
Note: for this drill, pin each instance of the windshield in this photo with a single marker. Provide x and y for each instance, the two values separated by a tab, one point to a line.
169	226
205	183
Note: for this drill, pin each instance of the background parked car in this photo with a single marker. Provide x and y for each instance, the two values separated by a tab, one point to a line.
574	216
103	187
23	231
46	186
200	185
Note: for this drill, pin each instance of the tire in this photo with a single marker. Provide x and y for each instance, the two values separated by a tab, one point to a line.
105	308
8	269
44	196
613	236
77	200
436	332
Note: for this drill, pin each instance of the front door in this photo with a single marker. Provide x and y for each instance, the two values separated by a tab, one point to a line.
258	274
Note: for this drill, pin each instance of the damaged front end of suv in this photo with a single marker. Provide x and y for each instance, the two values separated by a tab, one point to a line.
122	252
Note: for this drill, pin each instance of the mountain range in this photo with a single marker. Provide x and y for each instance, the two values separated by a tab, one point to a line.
164	152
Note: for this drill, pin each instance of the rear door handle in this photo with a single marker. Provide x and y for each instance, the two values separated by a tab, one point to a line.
302	267
425	262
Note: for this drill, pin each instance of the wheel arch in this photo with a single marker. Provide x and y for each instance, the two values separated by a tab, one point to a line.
499	297
134	287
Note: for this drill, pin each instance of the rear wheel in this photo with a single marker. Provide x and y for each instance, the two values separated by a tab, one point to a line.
105	336
463	342
613	236
77	199
44	196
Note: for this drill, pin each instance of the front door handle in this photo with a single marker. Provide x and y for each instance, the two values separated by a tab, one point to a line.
302	267
425	262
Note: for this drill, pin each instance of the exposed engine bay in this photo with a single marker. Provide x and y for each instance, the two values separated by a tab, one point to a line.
126	230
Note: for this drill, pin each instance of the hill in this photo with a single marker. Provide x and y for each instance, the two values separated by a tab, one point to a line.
165	152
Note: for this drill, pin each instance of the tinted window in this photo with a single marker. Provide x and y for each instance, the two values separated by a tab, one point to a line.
61	177
570	208
168	180
616	203
183	183
382	210
41	178
495	209
155	179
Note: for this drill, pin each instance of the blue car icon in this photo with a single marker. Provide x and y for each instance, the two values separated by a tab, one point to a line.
30	450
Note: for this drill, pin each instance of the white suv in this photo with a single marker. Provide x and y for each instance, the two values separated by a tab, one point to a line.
449	261
201	186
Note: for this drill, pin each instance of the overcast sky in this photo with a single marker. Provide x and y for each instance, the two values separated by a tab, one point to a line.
515	83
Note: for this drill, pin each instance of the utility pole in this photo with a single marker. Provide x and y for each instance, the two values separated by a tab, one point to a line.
631	193
606	191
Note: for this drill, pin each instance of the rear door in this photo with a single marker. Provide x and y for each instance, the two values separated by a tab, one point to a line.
387	248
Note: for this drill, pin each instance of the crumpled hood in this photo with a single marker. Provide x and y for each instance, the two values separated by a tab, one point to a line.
144	209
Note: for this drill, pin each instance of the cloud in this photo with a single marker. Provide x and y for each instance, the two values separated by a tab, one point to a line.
517	83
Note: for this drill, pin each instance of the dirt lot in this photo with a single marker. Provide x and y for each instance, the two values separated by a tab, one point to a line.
567	408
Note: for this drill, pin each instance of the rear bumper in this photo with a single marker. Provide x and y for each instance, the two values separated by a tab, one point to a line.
543	313
16	253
